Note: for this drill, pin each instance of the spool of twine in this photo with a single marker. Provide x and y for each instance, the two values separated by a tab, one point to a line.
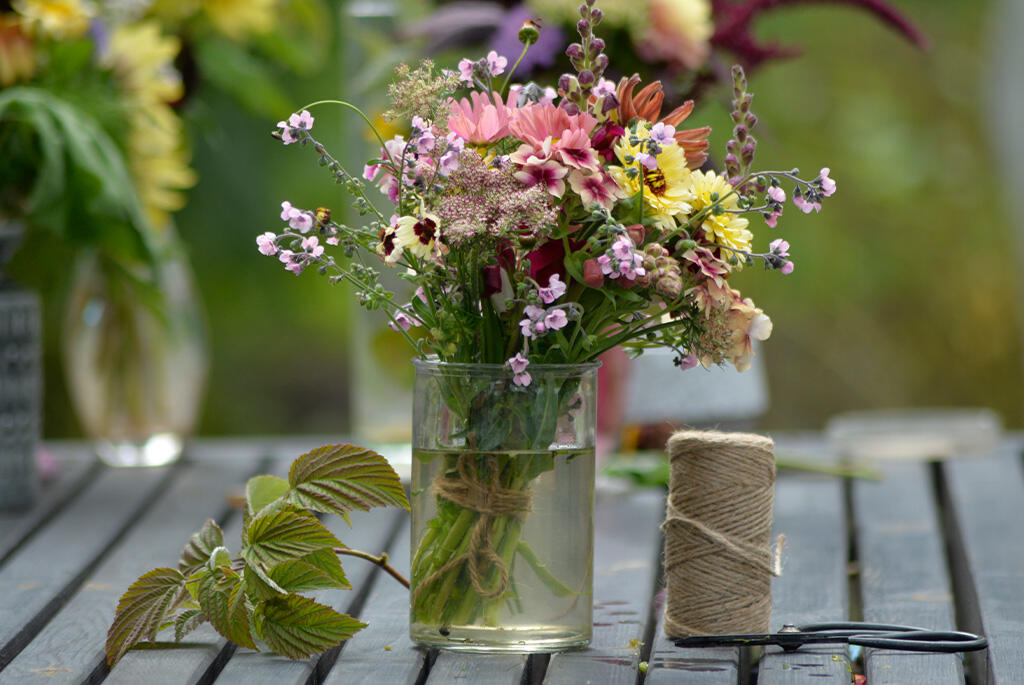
718	557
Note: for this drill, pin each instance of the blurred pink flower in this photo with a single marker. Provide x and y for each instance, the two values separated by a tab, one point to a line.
482	118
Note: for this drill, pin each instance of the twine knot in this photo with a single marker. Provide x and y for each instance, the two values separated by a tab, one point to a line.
490	500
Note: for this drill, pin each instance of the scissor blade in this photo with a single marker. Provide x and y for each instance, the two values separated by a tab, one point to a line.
788	640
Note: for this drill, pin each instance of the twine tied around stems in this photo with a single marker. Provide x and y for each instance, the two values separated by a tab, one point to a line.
718	557
490	500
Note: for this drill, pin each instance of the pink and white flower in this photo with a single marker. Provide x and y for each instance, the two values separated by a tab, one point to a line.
295	123
267	244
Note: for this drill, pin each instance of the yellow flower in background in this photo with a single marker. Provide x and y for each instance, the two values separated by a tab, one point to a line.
174	10
238	19
143	59
727	228
56	18
17	55
679	31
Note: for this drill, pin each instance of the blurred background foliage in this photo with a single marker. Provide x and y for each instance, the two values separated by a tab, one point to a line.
905	291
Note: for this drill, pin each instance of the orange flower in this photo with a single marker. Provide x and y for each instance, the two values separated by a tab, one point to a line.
647	105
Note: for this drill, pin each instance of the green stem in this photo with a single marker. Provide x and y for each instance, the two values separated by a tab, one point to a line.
357	111
557	587
508	77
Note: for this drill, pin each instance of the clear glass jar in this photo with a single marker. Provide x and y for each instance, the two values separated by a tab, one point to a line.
502	507
135	360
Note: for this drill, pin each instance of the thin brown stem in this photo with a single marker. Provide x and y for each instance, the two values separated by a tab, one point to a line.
381	561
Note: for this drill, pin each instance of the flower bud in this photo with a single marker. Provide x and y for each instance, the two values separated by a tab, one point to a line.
586	78
596	15
596	47
747	154
600	64
564	83
740	132
529	33
574	51
751	119
583	26
570	107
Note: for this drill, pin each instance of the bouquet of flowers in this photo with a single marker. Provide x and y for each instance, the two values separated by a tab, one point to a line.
538	226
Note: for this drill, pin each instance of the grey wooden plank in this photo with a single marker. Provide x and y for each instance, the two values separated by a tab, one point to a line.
203	651
382	652
626	553
75	470
987	505
477	669
809	511
44	572
669	664
72	644
903	576
369	532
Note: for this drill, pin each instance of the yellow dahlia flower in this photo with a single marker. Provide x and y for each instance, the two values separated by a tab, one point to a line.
667	190
727	229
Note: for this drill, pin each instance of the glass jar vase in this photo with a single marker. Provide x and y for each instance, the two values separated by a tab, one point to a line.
502	507
135	360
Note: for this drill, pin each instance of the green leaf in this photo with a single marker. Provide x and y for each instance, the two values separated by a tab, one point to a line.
262	490
187	621
219	557
141	610
299	576
222	598
339	478
283	535
260	585
298	627
327	561
199	548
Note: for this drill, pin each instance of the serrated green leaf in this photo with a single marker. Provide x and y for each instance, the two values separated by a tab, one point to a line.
220	556
327	561
284	535
339	478
141	610
299	576
222	598
260	585
187	621
262	490
200	546
298	627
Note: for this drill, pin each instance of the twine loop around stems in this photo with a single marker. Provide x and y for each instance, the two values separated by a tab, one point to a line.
490	500
718	557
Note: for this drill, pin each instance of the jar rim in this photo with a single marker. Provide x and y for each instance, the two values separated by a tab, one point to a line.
433	363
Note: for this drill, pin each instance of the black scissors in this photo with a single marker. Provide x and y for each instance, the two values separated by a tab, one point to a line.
880	635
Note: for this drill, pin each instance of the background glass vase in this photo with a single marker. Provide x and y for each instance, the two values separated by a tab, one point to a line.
502	507
135	359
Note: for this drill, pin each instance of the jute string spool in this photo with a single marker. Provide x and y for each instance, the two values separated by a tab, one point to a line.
490	500
718	557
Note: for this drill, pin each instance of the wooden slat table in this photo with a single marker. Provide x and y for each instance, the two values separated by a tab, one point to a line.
933	544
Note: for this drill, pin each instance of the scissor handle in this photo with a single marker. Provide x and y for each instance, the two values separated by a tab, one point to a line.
905	638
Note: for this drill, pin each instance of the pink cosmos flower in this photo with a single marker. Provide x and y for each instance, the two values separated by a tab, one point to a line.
549	174
481	119
828	186
574	149
599	188
266	244
536	123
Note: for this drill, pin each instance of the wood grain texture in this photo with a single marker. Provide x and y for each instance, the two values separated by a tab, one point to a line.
669	664
72	644
51	564
809	511
76	469
903	572
626	552
382	652
986	498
